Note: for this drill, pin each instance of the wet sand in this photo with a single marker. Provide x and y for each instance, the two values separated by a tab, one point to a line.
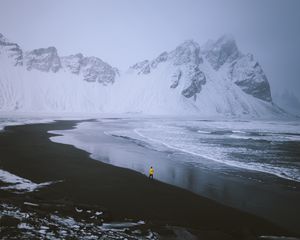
27	152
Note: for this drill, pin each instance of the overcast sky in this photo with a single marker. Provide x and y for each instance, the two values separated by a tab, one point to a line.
122	32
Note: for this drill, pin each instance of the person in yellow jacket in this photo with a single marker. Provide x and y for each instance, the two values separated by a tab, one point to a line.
151	172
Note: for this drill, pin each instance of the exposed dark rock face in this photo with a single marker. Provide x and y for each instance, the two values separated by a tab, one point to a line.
142	67
94	69
72	63
163	57
43	59
249	76
196	81
188	54
12	49
176	78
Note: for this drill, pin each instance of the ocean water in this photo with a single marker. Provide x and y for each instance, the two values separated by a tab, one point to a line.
270	147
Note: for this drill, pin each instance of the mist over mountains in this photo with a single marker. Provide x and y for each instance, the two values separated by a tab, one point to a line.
215	79
287	101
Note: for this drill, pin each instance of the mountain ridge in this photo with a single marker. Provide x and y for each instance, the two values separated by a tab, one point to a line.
215	79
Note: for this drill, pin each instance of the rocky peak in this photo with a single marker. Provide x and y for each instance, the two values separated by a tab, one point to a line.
222	51
43	59
13	50
2	39
142	67
43	51
247	73
187	52
94	69
185	60
161	58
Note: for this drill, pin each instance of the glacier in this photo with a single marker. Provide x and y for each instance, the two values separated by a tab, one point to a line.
212	80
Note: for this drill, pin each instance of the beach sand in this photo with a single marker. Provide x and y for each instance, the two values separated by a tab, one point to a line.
26	151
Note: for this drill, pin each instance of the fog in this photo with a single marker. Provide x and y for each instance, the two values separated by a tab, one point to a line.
126	31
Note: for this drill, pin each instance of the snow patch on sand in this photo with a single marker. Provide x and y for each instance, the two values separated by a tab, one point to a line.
121	225
20	121
19	184
278	238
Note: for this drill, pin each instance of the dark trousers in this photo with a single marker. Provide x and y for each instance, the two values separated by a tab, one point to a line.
150	176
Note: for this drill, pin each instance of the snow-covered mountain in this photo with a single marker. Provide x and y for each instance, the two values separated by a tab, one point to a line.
215	79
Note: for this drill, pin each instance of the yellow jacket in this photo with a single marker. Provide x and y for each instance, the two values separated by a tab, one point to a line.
151	171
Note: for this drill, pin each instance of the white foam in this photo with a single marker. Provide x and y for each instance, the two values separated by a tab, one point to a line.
238	131
204	132
184	142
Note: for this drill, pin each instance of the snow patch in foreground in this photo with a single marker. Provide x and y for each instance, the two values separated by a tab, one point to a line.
278	238
21	121
121	225
20	184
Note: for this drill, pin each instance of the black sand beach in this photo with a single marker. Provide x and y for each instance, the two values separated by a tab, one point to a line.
27	152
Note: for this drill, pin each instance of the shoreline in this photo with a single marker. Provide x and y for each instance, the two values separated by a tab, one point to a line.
125	193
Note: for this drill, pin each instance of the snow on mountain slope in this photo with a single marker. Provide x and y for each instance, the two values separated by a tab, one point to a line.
218	80
188	80
47	91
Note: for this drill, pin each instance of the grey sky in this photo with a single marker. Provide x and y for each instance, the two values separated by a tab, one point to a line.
123	32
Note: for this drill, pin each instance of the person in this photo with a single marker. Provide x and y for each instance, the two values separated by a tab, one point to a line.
151	172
